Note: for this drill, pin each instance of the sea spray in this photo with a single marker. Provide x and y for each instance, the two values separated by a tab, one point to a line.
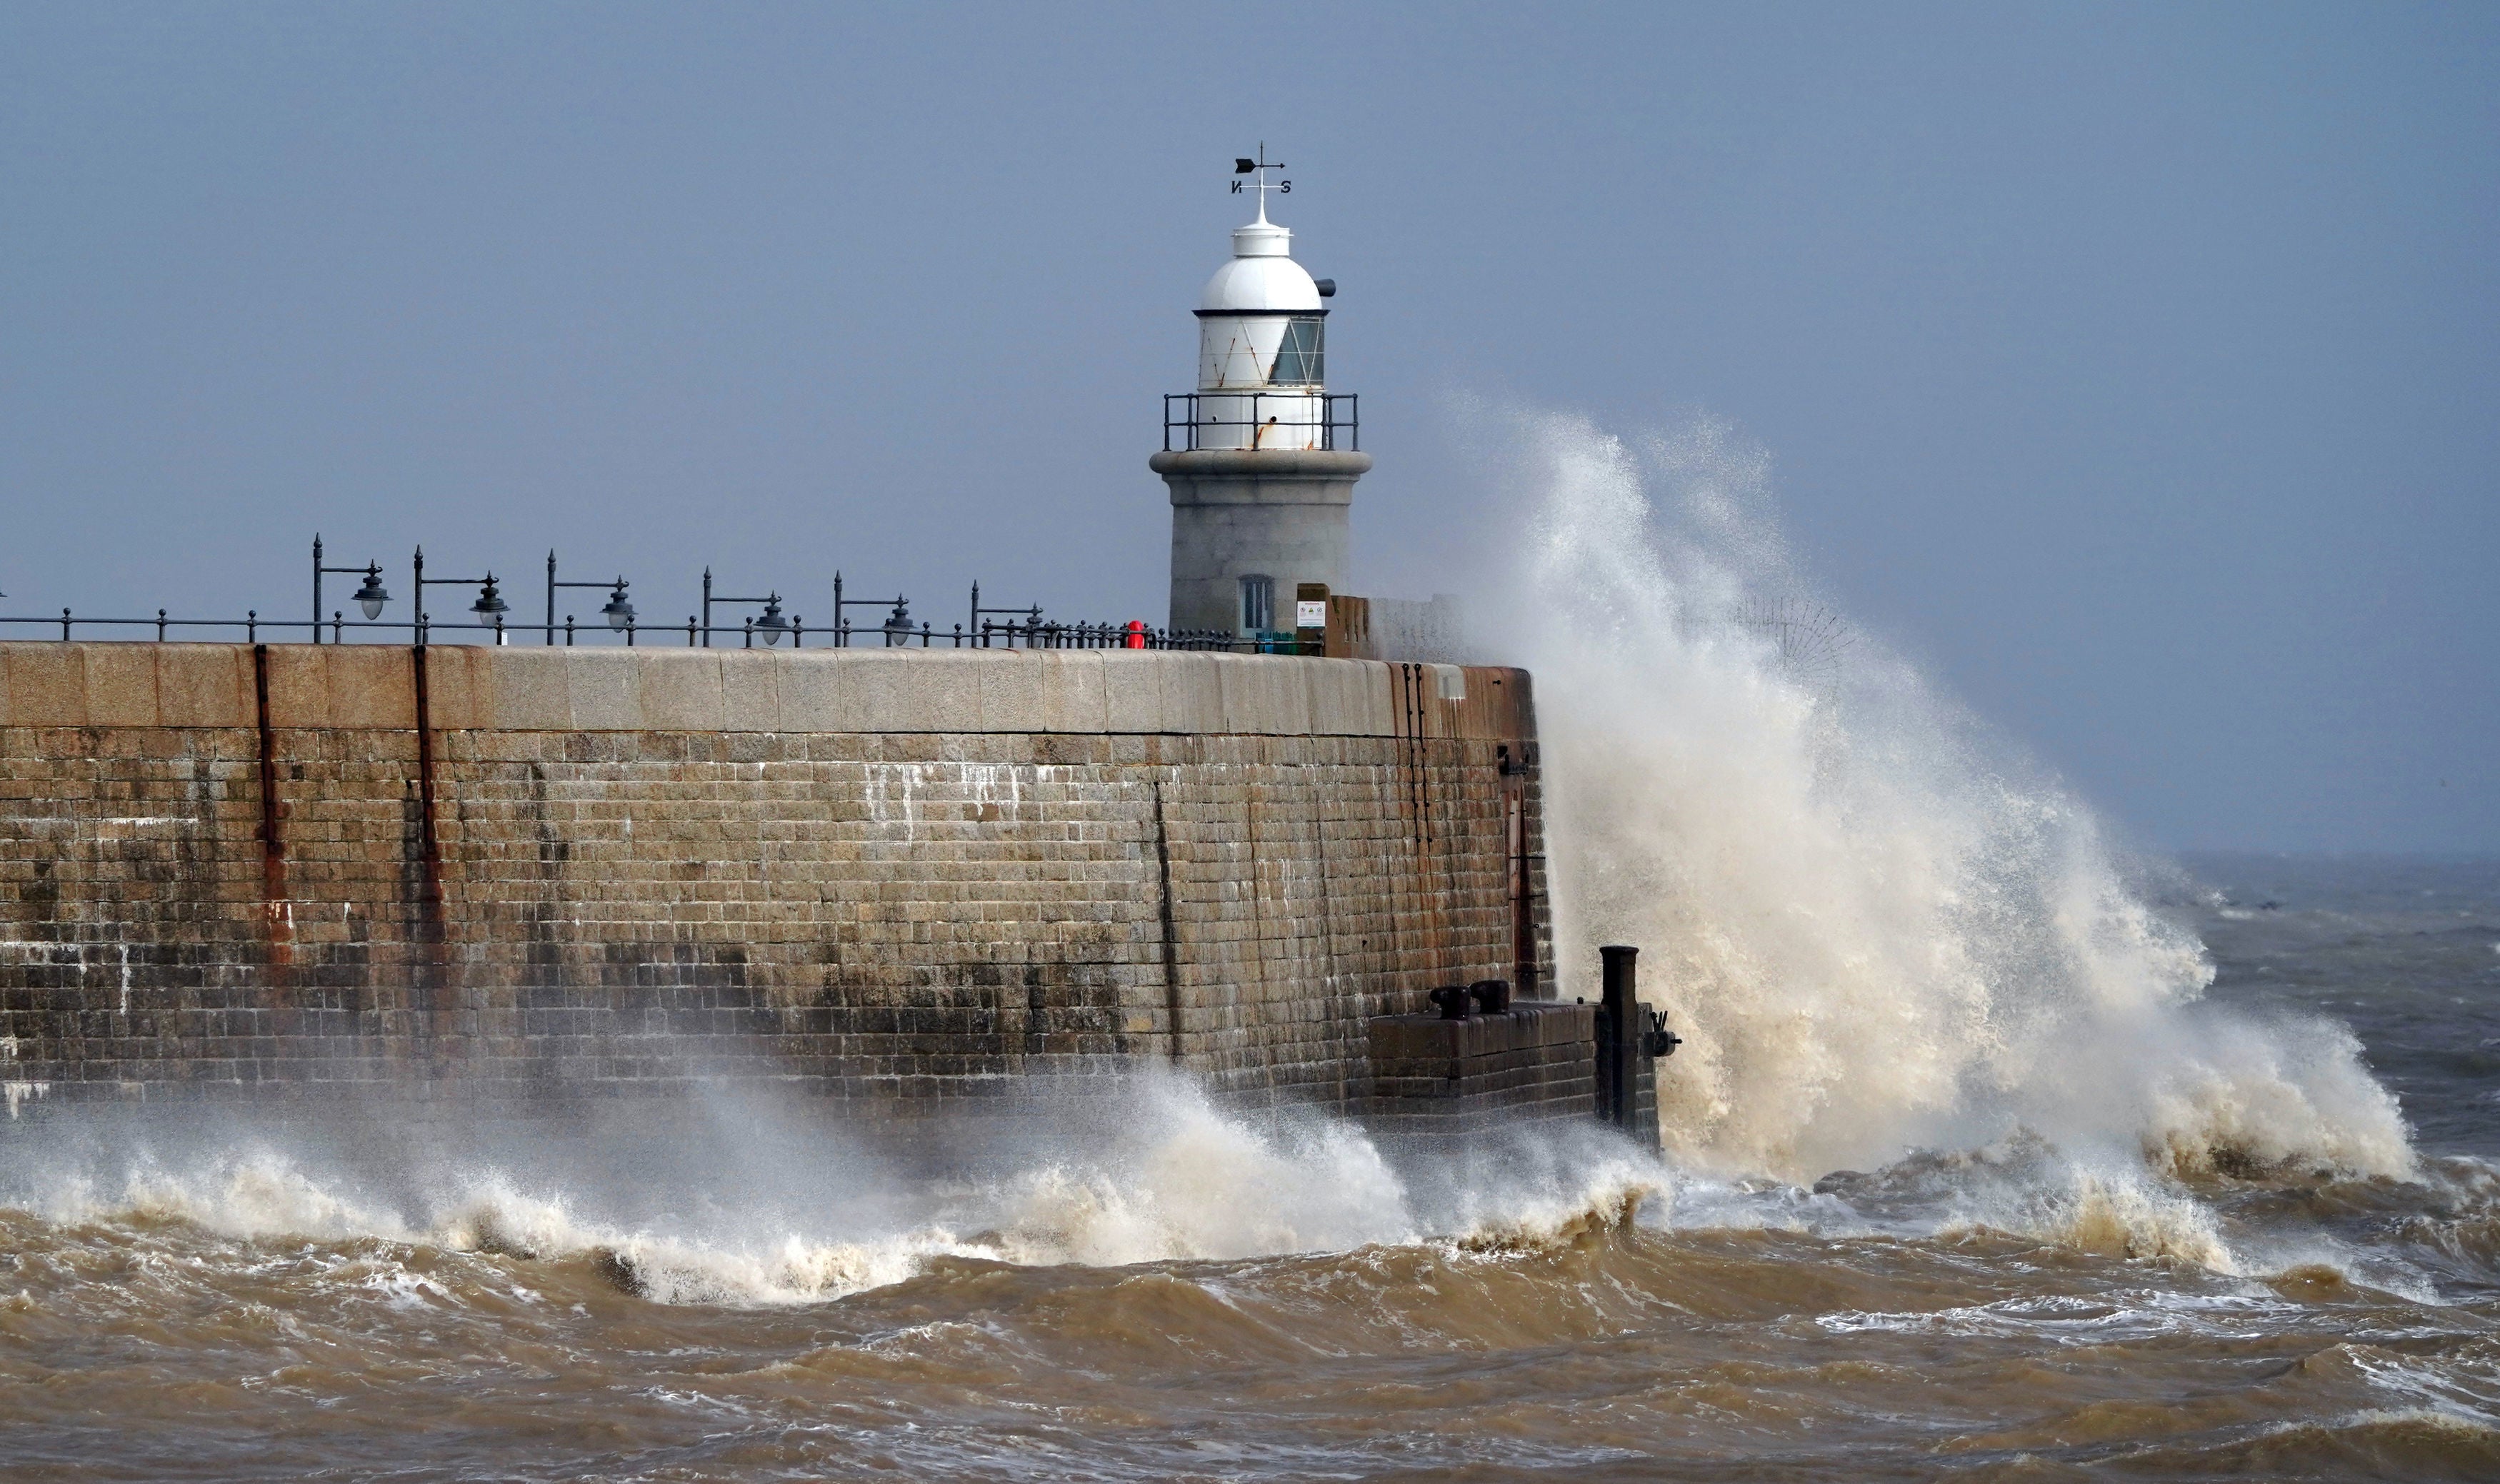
1877	926
1141	1169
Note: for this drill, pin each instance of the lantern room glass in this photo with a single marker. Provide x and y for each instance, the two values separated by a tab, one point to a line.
1301	357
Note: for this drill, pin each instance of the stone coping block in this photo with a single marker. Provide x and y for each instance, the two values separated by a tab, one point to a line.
472	687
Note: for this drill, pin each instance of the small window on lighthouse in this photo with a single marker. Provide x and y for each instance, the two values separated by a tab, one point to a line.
1299	359
1258	604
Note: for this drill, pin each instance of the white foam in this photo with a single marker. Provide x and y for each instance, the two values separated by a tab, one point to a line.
1160	1175
1877	927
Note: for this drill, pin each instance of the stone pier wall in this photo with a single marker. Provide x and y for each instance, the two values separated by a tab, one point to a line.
890	877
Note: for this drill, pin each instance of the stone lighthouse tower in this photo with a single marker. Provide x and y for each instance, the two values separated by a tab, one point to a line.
1261	460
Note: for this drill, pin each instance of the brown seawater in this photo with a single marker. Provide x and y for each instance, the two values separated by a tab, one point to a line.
148	1345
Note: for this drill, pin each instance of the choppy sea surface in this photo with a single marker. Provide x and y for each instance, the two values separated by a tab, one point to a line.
1188	1295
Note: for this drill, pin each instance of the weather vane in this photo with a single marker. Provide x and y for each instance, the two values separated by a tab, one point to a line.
1258	170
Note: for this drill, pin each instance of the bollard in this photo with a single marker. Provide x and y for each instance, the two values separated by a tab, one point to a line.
1452	999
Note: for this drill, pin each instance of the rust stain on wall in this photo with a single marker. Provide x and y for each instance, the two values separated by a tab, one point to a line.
277	912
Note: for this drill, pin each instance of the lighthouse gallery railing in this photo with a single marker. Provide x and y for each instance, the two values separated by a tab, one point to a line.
1338	426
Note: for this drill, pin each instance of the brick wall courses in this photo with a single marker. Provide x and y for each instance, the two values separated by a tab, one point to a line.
956	882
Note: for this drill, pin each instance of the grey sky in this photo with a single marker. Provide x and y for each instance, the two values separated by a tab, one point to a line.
2134	366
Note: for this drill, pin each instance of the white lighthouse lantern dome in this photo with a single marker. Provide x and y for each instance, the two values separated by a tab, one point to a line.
1260	278
1261	336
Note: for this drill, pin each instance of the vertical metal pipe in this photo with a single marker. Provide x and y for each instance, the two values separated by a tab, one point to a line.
1618	1034
317	590
1523	922
706	608
550	623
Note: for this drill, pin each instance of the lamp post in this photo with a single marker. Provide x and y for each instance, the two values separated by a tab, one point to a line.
370	597
490	604
977	611
619	609
842	604
771	625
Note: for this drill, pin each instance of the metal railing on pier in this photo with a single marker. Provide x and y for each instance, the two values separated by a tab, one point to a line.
489	621
1032	633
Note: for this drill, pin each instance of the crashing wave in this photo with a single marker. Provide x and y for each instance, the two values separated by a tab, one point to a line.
1876	926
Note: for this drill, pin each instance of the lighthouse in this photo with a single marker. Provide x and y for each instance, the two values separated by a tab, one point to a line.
1262	457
